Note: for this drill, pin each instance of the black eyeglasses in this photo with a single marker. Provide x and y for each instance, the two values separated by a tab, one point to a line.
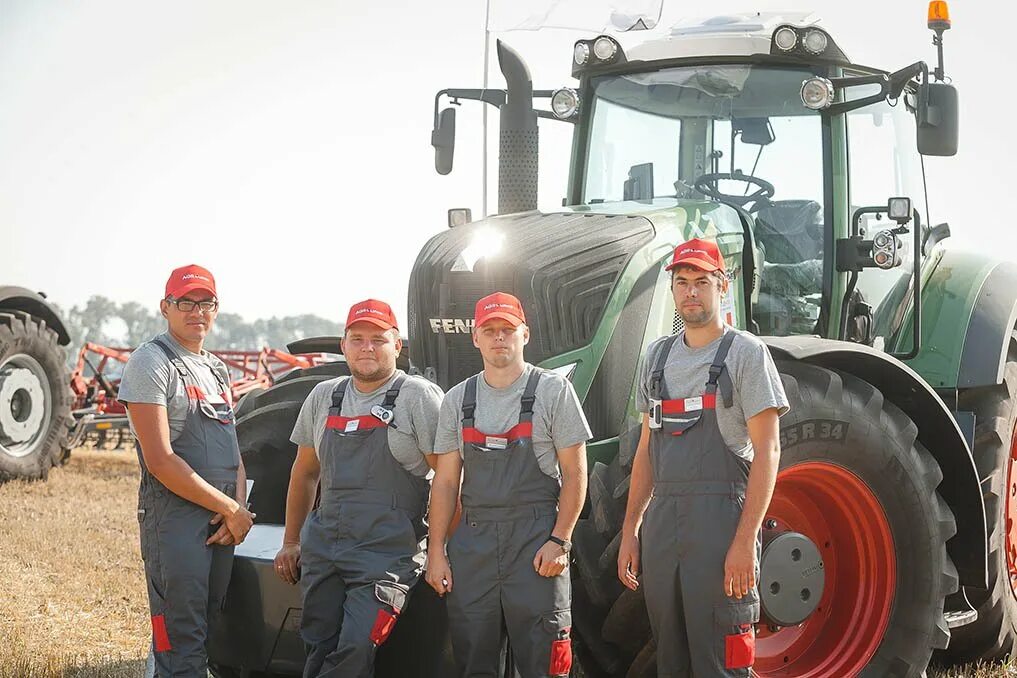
187	305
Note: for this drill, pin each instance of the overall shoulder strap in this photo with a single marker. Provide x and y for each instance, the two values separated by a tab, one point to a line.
338	393
657	375
470	401
175	360
719	373
393	392
529	395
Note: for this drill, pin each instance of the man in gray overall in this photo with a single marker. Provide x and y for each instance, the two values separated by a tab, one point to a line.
518	435
191	504
711	397
368	440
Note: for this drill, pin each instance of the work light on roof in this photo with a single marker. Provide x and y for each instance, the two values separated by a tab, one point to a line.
785	38
817	93
604	48
581	54
815	41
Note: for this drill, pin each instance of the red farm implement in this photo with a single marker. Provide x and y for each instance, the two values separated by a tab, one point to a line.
101	420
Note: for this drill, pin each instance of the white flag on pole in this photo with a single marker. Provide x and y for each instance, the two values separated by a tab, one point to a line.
599	16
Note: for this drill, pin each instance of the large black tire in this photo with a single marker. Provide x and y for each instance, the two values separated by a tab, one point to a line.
877	443
35	397
991	635
265	422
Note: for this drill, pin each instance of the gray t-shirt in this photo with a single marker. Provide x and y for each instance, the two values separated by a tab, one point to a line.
416	416
558	418
149	377
756	382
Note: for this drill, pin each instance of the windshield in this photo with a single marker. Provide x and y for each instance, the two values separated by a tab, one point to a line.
738	134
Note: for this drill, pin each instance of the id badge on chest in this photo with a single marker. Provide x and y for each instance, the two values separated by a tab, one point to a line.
495	443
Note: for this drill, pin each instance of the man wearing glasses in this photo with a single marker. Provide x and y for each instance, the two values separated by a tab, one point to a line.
192	501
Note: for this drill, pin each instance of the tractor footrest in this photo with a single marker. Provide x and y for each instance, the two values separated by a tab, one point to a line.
960	618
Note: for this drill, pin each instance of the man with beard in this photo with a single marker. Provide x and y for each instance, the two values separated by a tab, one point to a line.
703	473
191	503
516	436
368	440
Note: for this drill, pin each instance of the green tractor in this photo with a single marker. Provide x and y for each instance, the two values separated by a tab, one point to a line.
891	533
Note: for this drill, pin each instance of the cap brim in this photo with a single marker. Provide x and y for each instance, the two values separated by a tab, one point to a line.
516	321
190	287
374	321
701	264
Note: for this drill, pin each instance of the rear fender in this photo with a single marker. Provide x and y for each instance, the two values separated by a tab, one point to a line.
21	299
938	431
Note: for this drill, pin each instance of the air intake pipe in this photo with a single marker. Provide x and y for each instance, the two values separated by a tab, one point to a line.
518	143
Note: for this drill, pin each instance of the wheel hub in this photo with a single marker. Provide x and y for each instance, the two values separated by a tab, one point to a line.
792	578
24	405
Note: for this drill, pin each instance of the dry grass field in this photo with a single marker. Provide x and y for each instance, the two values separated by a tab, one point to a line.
72	600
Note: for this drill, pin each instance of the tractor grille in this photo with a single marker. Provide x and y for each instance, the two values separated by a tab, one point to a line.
562	267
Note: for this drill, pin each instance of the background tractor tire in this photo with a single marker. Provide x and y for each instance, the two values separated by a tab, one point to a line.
991	635
264	424
35	397
853	476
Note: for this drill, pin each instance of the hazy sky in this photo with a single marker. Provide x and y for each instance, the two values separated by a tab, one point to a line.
286	145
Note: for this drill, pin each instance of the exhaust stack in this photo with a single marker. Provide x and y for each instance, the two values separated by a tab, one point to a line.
518	143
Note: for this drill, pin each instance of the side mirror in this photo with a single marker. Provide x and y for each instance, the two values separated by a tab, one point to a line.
938	119
443	138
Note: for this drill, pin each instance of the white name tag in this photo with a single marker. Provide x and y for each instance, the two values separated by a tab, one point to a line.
352	425
693	404
495	443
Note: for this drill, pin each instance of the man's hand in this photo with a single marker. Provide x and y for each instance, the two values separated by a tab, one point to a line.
628	562
222	536
287	563
550	560
740	567
239	523
439	574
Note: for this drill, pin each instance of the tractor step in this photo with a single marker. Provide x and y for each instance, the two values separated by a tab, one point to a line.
960	618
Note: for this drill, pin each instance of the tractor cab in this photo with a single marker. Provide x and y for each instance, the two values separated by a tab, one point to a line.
767	116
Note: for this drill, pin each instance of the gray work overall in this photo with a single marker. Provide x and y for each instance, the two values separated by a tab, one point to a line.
698	494
187	580
361	549
509	510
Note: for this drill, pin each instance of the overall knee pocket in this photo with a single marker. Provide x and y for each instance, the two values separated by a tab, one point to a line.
558	627
393	596
734	625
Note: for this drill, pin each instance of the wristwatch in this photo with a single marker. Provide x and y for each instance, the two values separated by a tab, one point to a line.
565	544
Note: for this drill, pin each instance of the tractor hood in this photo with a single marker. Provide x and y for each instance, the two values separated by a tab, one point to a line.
563	266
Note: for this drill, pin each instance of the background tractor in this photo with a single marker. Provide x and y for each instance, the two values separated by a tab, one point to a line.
891	533
35	395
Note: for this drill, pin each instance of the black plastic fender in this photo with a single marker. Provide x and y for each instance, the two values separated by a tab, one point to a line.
993	317
938	431
34	303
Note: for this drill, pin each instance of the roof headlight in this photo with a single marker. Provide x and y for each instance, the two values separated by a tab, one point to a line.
604	48
581	53
817	93
785	38
565	103
816	41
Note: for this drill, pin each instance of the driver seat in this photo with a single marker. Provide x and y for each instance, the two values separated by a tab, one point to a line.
790	231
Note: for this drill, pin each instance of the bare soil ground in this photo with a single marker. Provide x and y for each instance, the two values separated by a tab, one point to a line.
72	595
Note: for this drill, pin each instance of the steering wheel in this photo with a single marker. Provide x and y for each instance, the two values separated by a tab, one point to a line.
709	185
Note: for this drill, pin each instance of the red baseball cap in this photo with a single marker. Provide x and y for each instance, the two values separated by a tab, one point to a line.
372	311
701	254
499	305
187	279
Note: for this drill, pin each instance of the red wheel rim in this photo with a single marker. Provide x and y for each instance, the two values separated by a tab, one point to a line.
841	515
1011	515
